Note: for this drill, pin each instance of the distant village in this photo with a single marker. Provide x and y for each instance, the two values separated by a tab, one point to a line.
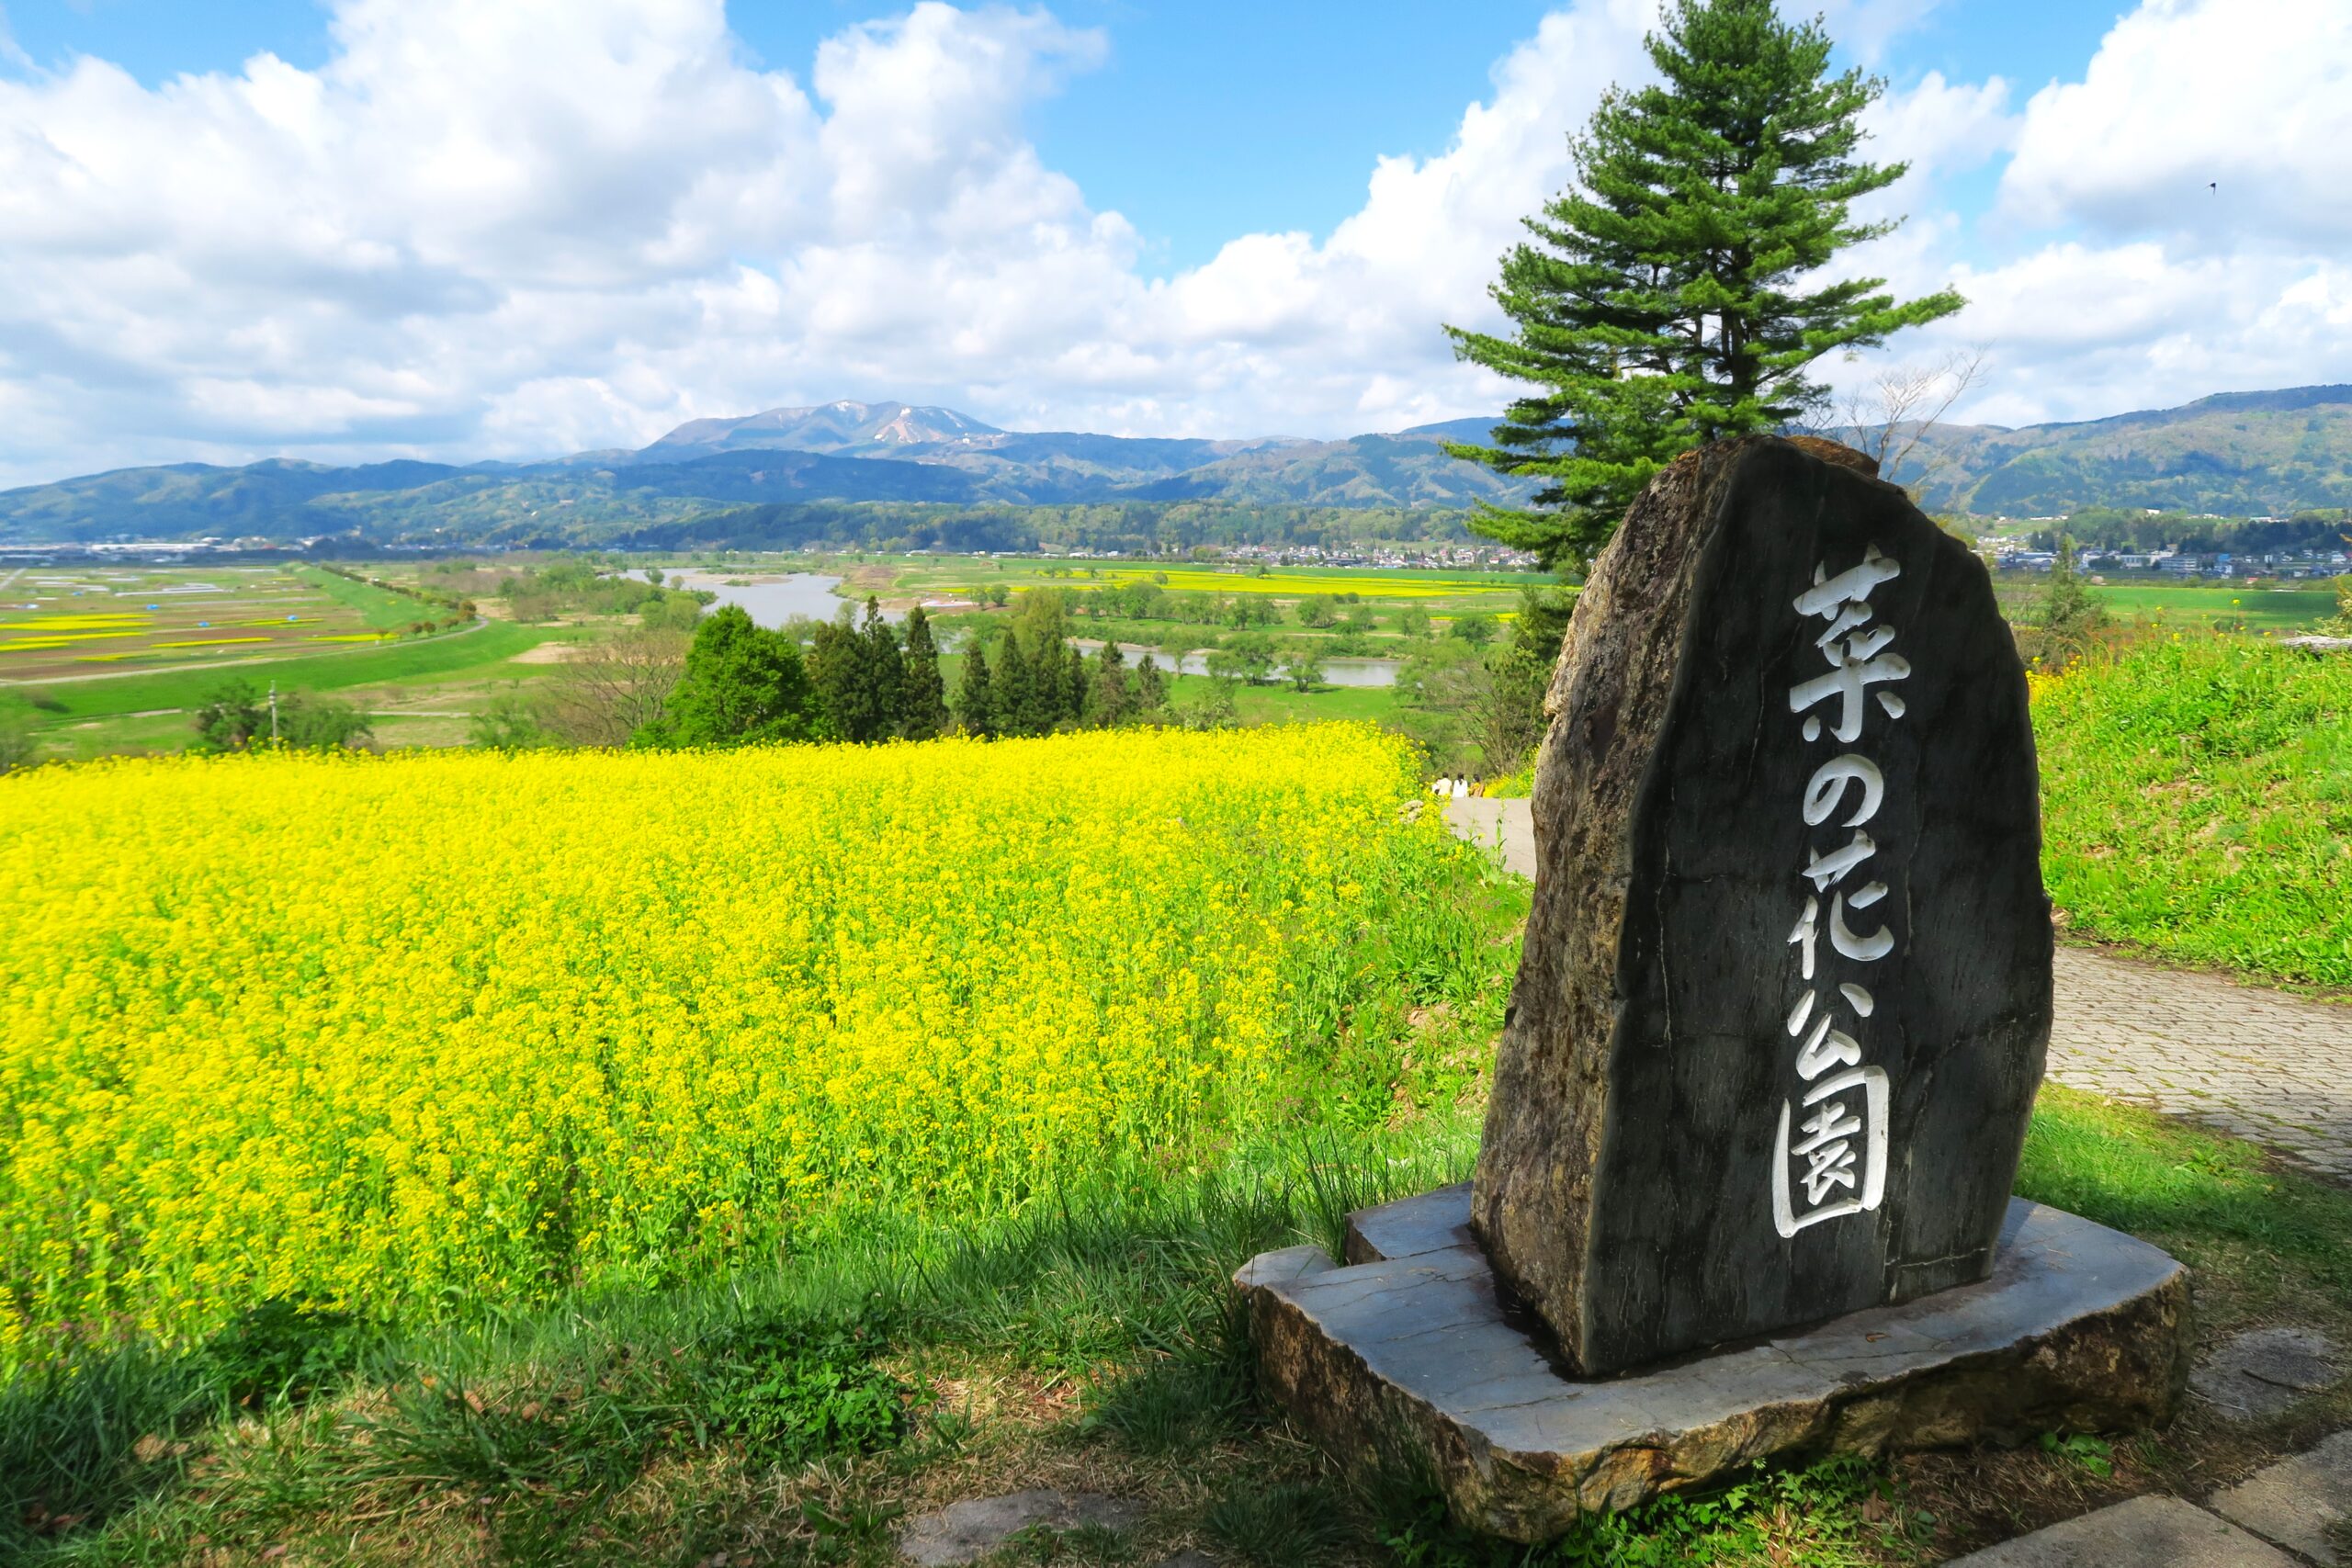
2012	555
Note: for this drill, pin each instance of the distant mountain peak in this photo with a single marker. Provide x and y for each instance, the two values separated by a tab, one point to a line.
843	425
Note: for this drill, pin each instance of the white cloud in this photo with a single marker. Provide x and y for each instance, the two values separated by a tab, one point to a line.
2210	122
2108	274
548	224
554	224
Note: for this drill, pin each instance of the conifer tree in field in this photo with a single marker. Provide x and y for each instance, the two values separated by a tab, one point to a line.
924	706
1078	685
975	703
1662	302
1151	686
838	666
1112	699
886	672
1015	702
1049	687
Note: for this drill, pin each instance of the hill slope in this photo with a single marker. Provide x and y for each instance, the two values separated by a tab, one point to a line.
2236	454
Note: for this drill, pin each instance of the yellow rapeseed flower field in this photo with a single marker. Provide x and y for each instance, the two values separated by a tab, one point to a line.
397	1034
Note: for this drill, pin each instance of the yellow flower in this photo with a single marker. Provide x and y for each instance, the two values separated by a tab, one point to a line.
402	1032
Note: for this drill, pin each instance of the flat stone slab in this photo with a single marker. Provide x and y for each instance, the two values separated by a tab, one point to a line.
2262	1371
2146	1532
967	1531
1406	1357
2297	1502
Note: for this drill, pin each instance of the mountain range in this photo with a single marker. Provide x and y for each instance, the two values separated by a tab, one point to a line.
793	473
2233	455
841	452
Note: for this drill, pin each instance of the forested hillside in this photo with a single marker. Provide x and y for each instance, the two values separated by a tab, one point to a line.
2238	455
890	473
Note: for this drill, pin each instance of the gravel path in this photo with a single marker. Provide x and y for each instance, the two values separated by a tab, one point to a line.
2264	1064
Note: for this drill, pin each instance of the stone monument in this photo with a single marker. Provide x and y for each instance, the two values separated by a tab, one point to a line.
1786	989
1766	1070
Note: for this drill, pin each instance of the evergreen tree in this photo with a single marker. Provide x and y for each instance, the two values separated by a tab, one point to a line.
1044	691
838	666
924	703
2071	615
1661	303
1112	699
1077	684
1049	687
886	673
974	701
1151	685
1015	702
741	682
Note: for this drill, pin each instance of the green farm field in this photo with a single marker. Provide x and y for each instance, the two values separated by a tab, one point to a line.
2254	608
56	624
445	675
1433	590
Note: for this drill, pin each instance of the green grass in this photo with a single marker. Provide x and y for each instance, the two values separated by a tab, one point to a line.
2196	801
1285	705
2263	1240
2234	606
378	610
416	660
794	1411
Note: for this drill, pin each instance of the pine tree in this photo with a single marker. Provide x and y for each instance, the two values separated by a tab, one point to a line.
885	672
1076	684
839	664
1015	702
975	703
1151	686
1660	304
1112	698
924	702
1049	687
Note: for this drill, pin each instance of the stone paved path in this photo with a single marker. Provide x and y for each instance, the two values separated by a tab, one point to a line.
2266	1066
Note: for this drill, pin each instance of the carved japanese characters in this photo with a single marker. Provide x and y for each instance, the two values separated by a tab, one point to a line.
1786	985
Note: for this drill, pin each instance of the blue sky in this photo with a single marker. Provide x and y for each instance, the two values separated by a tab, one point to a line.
1205	120
508	228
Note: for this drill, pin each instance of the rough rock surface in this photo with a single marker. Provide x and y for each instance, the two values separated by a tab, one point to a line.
2298	1502
1407	1358
967	1531
2266	1369
1632	1187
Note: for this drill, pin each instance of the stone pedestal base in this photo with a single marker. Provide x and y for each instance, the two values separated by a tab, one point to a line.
1405	1359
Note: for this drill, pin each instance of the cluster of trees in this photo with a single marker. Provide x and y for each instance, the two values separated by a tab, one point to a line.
239	717
545	591
1476	702
741	683
455	609
1035	680
2138	532
735	683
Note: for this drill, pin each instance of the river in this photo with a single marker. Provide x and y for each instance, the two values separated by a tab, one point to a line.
772	601
1336	672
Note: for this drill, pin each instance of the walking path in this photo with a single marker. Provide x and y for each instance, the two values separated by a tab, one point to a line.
2263	1065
